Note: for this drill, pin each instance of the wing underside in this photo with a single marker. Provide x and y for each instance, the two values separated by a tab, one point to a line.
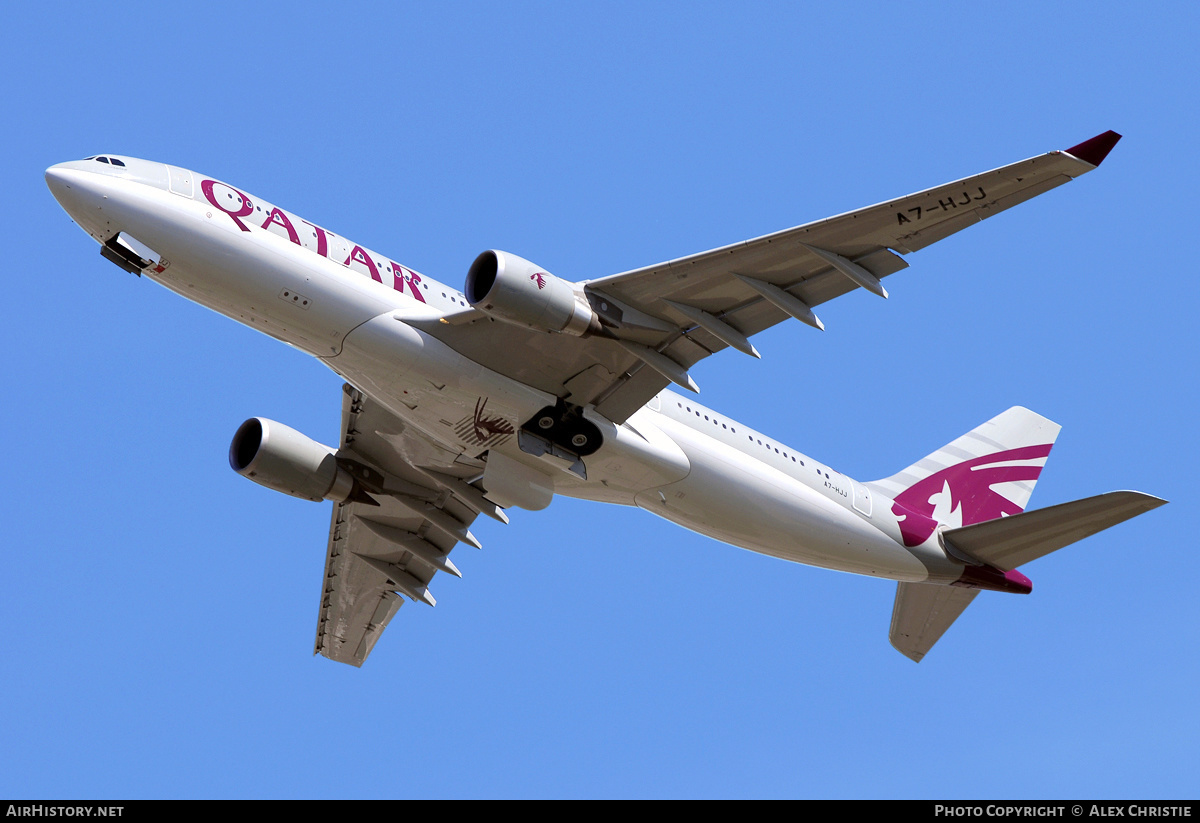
387	543
660	320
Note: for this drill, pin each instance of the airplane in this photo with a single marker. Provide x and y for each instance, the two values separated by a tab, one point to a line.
523	385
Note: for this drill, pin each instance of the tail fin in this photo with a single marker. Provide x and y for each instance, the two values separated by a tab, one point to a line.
987	473
977	488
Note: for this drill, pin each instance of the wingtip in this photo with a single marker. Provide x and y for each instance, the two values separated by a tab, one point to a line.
912	654
1095	150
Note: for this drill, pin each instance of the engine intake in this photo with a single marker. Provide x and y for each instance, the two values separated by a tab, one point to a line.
281	458
514	290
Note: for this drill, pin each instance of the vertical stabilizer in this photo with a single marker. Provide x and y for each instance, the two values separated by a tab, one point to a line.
987	473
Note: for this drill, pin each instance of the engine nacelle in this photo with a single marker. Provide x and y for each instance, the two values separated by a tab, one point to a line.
512	289
281	458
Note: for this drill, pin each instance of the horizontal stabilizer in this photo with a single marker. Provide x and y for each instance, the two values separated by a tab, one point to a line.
1008	542
922	613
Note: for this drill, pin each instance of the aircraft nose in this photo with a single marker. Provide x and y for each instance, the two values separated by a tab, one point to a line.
75	189
56	179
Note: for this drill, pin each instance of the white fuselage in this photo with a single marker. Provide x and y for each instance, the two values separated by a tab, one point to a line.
348	306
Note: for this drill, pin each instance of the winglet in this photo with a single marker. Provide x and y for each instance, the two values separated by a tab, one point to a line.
1095	150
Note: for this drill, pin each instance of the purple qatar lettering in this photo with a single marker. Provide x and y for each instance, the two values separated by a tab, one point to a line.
278	217
245	207
322	241
402	275
359	255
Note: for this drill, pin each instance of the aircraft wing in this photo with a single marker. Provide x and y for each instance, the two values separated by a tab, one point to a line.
390	540
662	319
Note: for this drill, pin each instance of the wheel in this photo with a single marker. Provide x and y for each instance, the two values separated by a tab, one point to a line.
580	437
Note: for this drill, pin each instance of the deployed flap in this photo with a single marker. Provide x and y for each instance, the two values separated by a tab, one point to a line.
1009	542
922	613
744	288
389	541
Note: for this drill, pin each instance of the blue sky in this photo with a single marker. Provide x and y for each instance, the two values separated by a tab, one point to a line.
161	609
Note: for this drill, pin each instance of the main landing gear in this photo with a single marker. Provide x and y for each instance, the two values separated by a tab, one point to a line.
564	426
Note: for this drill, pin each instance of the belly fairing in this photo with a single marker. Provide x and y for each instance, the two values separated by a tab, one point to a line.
636	455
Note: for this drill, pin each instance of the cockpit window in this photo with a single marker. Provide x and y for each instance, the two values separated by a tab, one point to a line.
116	162
102	159
93	157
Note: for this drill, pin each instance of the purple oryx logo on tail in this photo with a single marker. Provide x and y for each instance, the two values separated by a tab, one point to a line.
963	494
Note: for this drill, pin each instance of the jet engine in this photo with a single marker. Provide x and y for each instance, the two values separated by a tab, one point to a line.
514	290
281	458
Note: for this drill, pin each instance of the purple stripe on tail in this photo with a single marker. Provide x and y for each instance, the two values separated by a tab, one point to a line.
962	494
